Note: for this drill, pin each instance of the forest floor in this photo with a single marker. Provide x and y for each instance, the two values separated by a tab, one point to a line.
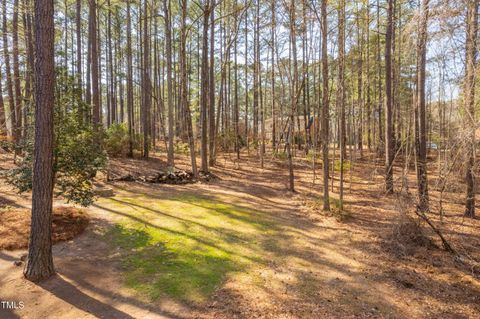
243	246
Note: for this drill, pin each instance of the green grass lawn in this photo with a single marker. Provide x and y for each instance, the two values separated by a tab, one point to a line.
186	246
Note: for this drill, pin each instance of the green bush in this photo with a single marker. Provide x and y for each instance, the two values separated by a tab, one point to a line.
226	141
182	148
76	158
311	153
299	138
116	140
137	143
346	166
281	155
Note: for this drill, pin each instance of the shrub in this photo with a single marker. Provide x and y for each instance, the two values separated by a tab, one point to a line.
346	166
281	155
76	158
116	140
182	148
312	153
299	138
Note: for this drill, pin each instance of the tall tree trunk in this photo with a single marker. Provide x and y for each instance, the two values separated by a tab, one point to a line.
16	80
368	110
100	74
211	87
92	34
247	142
273	35
78	20
29	46
40	261
111	75
389	149
306	111
3	119
88	84
236	105
130	118
469	100
360	84
379	80
255	74
421	138
260	93
168	35
8	74
147	86
293	95
184	86
325	117
341	91
204	89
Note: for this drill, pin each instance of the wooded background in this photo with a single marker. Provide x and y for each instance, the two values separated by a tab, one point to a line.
392	77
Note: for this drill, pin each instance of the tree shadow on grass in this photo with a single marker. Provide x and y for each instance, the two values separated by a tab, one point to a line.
176	255
145	224
155	270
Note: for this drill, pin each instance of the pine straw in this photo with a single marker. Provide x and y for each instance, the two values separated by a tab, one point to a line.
67	223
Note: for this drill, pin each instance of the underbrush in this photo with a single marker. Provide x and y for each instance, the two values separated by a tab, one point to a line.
406	236
116	140
315	204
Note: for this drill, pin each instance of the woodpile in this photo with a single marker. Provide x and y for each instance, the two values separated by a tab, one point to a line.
176	177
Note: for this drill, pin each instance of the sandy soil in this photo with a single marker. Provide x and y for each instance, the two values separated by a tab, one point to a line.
320	266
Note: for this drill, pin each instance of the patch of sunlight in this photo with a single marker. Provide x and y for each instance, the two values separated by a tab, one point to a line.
185	247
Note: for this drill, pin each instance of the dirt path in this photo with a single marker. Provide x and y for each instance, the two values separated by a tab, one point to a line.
312	265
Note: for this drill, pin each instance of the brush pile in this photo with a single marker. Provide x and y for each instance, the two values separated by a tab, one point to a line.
176	177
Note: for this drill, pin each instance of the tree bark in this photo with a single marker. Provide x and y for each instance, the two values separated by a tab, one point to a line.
247	141
78	19
379	80
40	261
168	36
421	138
204	89
325	106
293	95
274	115
8	74
92	34
146	83
341	92
211	88
184	104
255	74
469	100
129	81
368	108
360	84
3	119
16	80
236	104
111	75
389	149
